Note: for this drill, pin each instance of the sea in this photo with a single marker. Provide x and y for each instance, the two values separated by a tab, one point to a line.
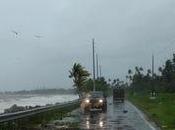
6	101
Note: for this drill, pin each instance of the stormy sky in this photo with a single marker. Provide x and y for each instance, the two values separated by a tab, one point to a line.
53	34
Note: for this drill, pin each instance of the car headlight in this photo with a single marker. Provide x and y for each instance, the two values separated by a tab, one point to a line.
87	101
87	122
101	123
100	100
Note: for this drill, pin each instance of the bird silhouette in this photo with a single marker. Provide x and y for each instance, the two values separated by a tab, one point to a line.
15	32
38	36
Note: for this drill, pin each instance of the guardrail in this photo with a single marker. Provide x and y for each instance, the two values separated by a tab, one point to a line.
23	114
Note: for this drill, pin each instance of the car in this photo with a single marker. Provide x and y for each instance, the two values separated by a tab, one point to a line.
94	101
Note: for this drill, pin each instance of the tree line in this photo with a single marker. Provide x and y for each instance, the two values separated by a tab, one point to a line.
140	80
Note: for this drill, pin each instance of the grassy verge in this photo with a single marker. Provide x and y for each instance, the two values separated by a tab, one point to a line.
161	109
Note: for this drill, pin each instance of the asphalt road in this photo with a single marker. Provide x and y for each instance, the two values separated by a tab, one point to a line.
117	119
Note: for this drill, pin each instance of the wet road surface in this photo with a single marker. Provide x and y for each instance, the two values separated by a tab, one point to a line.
116	118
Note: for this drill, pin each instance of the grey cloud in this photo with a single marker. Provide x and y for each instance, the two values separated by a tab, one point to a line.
127	33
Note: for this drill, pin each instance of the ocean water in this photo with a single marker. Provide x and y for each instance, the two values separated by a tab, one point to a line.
7	101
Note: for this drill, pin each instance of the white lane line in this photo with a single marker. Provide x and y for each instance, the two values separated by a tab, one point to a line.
141	115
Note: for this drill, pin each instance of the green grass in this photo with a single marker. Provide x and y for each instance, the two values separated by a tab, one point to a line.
161	109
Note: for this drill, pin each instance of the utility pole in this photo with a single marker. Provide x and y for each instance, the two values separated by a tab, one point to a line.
152	66
100	71
153	89
97	65
93	52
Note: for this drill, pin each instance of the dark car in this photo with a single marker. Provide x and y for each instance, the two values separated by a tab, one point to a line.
94	101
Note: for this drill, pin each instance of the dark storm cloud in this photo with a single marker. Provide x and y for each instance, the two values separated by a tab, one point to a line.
127	33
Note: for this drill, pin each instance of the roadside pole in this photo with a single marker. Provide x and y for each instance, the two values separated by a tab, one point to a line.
97	66
100	71
93	52
153	89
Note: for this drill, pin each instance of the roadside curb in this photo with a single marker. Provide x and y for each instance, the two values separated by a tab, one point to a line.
145	116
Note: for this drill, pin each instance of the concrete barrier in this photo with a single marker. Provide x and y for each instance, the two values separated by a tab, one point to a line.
23	114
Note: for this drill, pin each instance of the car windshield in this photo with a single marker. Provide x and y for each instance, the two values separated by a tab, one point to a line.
89	64
96	94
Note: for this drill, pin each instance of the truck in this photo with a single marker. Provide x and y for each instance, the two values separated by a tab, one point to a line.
118	94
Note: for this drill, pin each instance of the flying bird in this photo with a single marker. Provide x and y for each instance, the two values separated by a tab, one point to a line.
38	36
15	32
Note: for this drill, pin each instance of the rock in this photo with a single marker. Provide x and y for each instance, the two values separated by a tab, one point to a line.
14	108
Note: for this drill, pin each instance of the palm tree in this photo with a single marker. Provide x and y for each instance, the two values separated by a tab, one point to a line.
109	80
160	69
148	73
129	74
114	82
129	71
141	69
80	76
